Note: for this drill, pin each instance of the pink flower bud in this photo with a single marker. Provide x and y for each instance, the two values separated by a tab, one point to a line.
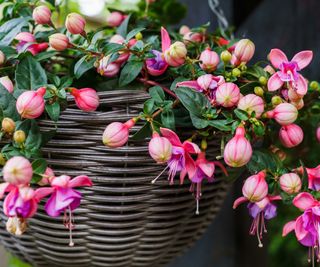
291	135
86	99
17	171
244	50
42	15
30	104
116	134
290	183
176	55
115	19
238	150
59	41
284	114
118	39
252	103
75	23
184	30
7	83
47	177
255	187
160	148
108	70
25	37
2	58
209	60
194	37
318	134
228	95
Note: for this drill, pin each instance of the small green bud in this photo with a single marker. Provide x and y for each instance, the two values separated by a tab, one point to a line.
258	91
263	80
276	100
19	136
314	85
2	159
236	72
139	36
226	56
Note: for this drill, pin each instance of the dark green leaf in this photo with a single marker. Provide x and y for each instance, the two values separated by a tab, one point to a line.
83	65
241	114
144	132
112	48
45	55
129	72
197	122
39	167
8	51
149	107
123	28
33	140
8	104
10	29
222	125
53	111
263	159
167	119
157	94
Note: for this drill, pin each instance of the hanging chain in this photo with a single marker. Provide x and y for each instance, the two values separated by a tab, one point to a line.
216	9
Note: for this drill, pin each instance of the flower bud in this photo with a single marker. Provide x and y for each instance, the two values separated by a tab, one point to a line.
291	135
280	153
255	187
123	56
116	134
176	55
86	99
138	36
30	104
284	114
194	37
252	103
2	58
59	41
269	69
16	225
276	100
244	50
7	83
226	56
238	150
8	125
160	148
184	30
75	23
318	134
258	91
47	177
228	95
26	37
314	85
108	70
3	159
19	136
263	80
115	19
17	171
290	183
42	15
236	72
209	60
293	96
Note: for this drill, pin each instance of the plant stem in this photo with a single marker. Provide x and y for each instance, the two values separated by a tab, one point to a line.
153	83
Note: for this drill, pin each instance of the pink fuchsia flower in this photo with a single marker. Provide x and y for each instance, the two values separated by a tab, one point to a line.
42	15
284	114
86	99
115	19
17	171
313	177
252	103
291	135
243	52
59	41
27	42
228	95
290	183
116	134
108	69
318	134
204	171
193	37
160	148
209	60
289	70
238	150
30	104
75	23
181	160
7	83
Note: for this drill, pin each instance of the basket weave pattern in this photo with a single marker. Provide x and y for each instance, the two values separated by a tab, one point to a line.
123	220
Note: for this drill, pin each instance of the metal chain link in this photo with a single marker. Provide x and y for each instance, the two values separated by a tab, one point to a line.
216	9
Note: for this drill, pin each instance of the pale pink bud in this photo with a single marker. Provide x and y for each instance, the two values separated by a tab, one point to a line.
176	55
284	114
117	39
291	135
123	56
30	104
160	148
290	183
244	50
25	37
209	60
2	58
238	150
86	99
255	187
252	103
318	134
115	19
108	70
116	134
42	15
47	177
75	23
194	37
7	83
17	171
184	30
59	41
228	95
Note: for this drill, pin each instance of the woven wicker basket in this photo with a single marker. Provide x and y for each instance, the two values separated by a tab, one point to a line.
123	220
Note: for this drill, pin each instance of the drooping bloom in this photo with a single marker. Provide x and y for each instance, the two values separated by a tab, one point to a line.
291	135
313	177
160	148
86	99
181	160
289	70
284	114
174	54
7	83
252	103
290	183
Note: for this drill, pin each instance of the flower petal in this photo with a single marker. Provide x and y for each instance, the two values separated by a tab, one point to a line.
190	84
239	201
303	58
42	192
81	180
50	206
207	167
4	187
301	85
165	39
61	181
304	201
274	82
276	57
303	236
288	227
191	147
190	165
171	136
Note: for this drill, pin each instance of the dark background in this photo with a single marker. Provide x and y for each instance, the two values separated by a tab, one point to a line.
291	25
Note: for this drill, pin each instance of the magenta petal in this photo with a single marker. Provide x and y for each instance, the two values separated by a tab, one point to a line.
191	147
304	201
207	167
303	58
171	136
42	192
165	39
288	227
301	85
274	82
81	180
60	181
4	187
190	165
277	57
65	197
303	236
50	206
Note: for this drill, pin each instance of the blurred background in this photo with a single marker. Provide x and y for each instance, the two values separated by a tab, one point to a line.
291	25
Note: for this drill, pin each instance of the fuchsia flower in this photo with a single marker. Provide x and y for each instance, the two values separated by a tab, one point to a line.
108	69
228	95
181	160
123	56
284	114
243	52
289	70
27	42
318	134
194	37
115	19
7	83
291	135
59	41
313	177
209	60
252	103
42	15
75	23
86	99
290	183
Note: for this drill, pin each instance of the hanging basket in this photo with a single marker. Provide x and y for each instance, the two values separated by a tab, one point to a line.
123	220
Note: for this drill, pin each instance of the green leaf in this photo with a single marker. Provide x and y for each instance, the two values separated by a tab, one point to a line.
83	65
263	159
8	51
29	74
241	114
157	94
144	132
133	33
167	119
222	125
129	72
45	55
111	48
33	141
123	28
39	167
53	110
149	107
197	122
259	128
8	104
10	29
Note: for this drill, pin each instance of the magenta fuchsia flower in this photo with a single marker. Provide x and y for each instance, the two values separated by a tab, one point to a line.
291	135
289	71
27	42
181	160
160	148
313	177
86	99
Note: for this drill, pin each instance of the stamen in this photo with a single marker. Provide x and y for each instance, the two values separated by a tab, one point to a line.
197	210
68	222
155	179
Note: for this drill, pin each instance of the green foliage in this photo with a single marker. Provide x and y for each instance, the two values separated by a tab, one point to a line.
10	29
83	65
129	72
